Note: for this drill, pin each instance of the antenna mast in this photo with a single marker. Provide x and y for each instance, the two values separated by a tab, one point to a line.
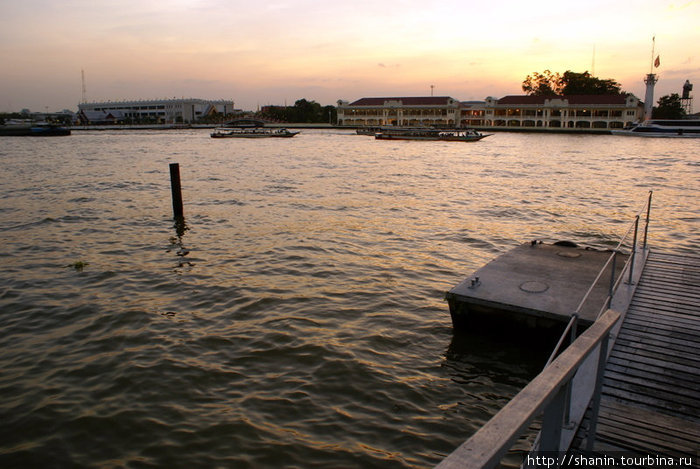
82	74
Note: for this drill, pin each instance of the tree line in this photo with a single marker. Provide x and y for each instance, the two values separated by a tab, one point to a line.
302	111
573	83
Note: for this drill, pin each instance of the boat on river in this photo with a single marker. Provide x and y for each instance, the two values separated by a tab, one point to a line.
454	135
34	129
678	128
372	131
251	132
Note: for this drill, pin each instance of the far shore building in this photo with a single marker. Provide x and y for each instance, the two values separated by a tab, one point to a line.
166	111
568	112
424	111
598	112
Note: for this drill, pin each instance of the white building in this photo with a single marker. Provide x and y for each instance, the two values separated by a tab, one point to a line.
568	112
186	110
552	112
439	111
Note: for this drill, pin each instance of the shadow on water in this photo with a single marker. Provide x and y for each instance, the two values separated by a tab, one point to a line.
507	355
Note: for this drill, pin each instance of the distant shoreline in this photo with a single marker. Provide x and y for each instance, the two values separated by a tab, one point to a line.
302	125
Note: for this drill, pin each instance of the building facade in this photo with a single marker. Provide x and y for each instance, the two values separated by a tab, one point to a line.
167	111
437	111
563	112
599	112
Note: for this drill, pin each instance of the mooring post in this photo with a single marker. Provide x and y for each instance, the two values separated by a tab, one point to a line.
176	190
646	225
634	249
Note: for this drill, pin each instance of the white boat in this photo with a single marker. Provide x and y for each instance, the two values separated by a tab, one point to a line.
678	128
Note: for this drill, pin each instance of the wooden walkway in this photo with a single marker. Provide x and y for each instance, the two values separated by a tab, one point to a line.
651	392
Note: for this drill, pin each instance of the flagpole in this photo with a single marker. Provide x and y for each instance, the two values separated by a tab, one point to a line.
651	64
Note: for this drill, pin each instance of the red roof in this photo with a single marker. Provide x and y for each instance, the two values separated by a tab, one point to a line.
407	101
573	99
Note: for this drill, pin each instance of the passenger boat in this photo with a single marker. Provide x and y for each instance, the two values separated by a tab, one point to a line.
368	130
456	135
683	128
251	132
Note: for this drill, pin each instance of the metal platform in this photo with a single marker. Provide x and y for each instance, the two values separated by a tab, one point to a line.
540	285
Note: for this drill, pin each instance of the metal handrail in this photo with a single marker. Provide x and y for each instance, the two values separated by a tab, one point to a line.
634	227
614	284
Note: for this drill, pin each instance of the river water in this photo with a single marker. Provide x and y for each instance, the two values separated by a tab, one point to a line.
297	319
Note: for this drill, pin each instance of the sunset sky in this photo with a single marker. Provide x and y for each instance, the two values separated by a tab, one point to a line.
272	52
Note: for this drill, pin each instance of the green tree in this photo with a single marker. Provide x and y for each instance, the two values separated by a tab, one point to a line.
330	114
669	107
584	83
302	111
542	84
570	83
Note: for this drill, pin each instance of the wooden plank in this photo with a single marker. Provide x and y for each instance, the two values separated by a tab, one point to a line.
649	322
662	305
660	328
672	280
634	441
651	313
647	435
669	298
657	389
637	417
667	407
654	389
632	335
660	364
653	270
643	373
679	356
671	303
659	371
660	272
684	260
665	321
681	353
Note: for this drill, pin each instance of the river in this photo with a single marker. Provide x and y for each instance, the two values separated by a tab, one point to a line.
297	319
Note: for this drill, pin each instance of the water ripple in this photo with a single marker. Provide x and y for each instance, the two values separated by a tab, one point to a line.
297	318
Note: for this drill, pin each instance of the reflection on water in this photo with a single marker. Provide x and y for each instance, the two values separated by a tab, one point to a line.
296	318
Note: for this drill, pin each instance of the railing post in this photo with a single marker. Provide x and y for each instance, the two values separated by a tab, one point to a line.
612	278
567	405
634	249
552	422
646	225
595	407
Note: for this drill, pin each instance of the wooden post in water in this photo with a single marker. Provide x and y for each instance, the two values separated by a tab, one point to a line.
176	190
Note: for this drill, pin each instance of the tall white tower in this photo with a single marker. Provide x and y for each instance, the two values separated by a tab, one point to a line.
650	80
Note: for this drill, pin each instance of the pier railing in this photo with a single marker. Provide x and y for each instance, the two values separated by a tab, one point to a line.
545	395
611	266
579	367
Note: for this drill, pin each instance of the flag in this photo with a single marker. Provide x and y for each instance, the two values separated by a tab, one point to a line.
657	62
